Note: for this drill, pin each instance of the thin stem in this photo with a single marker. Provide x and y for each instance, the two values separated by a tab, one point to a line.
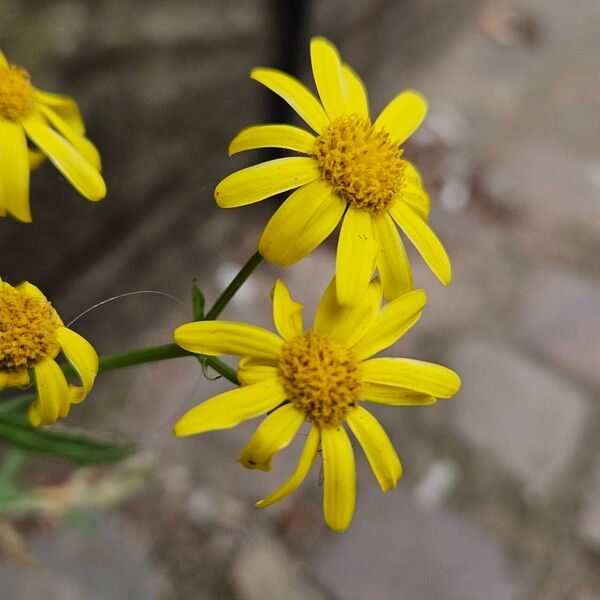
234	286
154	354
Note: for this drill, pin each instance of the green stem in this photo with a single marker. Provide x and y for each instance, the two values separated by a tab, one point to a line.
154	354
234	286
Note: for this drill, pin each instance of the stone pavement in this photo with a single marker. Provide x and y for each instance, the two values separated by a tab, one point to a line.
500	497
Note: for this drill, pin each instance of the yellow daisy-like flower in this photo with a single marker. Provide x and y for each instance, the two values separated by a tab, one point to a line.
320	375
353	171
51	122
31	337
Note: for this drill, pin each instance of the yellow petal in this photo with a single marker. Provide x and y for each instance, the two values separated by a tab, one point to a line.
377	447
36	158
402	116
53	393
392	322
13	379
287	314
394	396
83	357
231	408
78	141
339	479
426	242
330	82
392	260
28	289
302	468
347	324
253	370
14	170
417	375
77	170
295	94
413	193
355	259
273	136
358	100
3	61
261	181
64	106
275	433
225	337
301	223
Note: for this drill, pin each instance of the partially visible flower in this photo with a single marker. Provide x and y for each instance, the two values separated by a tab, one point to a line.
32	335
353	172
51	122
320	375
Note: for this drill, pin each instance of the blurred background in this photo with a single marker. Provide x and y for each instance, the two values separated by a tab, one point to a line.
501	493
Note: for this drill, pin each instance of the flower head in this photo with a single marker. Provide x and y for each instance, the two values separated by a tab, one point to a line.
32	335
54	125
353	171
321	375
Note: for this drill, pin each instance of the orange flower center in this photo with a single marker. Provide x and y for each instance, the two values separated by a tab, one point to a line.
321	378
27	329
362	164
16	93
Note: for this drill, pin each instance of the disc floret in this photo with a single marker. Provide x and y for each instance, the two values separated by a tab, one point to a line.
321	378
27	329
361	162
16	93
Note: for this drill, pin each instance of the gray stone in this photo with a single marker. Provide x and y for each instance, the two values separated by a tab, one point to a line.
588	521
409	553
560	318
524	415
264	570
104	560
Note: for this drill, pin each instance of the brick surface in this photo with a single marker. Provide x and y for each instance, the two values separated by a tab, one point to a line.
526	417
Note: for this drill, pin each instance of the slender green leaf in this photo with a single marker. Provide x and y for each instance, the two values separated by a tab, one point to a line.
198	302
75	447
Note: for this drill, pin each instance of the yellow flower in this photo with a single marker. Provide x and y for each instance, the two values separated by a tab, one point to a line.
31	337
320	375
353	171
53	124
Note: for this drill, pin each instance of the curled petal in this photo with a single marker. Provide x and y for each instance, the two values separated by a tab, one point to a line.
253	370
302	468
275	433
287	314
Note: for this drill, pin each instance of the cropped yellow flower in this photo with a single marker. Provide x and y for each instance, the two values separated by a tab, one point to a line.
319	375
31	337
353	171
53	124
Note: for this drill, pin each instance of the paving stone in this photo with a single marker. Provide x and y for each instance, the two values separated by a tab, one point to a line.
104	560
560	317
522	414
588	522
264	570
408	552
